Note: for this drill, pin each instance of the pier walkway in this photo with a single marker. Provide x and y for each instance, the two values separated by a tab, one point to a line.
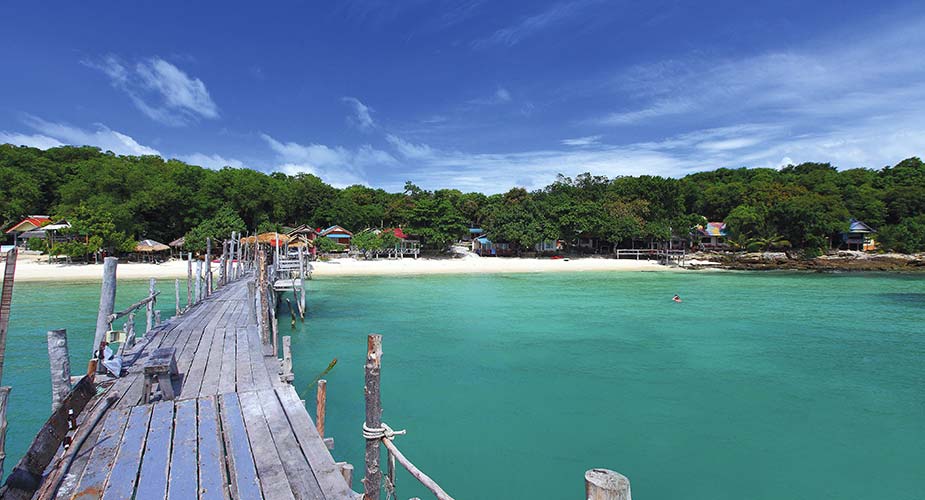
235	429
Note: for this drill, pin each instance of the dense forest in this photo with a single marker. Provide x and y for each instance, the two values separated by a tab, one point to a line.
118	199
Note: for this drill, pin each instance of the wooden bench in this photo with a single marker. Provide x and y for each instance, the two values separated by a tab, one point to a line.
162	366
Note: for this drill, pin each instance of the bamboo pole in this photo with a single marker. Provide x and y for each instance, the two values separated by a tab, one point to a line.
60	366
321	399
605	484
149	307
107	301
373	479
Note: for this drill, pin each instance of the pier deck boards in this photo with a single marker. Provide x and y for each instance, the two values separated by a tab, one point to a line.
234	431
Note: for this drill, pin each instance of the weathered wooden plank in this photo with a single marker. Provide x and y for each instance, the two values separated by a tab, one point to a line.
183	480
257	361
327	474
273	481
213	372
243	374
227	381
102	457
243	475
298	471
152	483
121	483
212	484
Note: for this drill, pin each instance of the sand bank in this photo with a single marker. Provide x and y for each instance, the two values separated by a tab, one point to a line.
31	268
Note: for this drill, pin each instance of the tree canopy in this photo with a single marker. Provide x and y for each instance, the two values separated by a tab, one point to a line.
117	199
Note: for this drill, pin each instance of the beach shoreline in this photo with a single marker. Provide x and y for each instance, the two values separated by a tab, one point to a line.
31	268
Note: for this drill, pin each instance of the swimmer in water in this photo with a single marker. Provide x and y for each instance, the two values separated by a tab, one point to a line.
676	298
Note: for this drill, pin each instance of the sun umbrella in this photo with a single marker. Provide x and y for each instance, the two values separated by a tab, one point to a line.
150	246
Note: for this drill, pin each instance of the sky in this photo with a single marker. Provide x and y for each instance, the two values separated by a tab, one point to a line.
471	94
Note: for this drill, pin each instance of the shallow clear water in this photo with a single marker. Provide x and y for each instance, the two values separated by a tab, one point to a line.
759	385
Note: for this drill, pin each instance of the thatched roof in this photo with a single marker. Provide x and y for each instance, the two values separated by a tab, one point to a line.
150	246
179	242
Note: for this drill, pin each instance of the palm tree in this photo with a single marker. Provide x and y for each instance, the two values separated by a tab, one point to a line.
766	243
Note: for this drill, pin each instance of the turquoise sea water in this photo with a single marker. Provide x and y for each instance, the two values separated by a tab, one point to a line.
759	385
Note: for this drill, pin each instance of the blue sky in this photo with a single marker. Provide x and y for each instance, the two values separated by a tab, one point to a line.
474	95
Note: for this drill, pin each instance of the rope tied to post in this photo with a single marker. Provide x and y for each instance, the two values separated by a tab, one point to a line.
381	432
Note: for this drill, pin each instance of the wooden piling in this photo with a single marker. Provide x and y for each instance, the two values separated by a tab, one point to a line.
4	397
291	311
176	286
346	470
6	300
605	484
198	279
373	479
149	307
302	284
107	300
208	264
321	406
189	280
129	332
263	310
157	318
287	375
60	365
223	265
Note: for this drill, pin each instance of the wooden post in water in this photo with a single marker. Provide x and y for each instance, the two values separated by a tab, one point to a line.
291	312
157	318
223	265
302	284
149	307
4	397
605	484
189	280
264	306
287	375
208	264
60	366
229	272
198	279
176	286
321	405
372	481
107	301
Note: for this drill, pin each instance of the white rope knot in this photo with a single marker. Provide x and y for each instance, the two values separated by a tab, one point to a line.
382	432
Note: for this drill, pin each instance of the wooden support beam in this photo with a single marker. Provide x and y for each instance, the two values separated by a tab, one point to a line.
373	478
107	300
198	278
60	365
605	484
208	264
6	300
321	406
149	307
26	477
346	470
287	375
424	479
189	280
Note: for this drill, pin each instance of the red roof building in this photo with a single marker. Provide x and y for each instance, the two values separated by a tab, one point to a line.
29	223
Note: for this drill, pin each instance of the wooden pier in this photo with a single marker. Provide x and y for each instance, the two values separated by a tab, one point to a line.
234	429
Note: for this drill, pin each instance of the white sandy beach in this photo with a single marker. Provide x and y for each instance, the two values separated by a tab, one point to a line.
31	268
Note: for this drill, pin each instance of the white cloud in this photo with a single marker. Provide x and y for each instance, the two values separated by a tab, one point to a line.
51	134
33	140
530	25
582	141
500	96
409	150
362	118
162	91
213	161
338	166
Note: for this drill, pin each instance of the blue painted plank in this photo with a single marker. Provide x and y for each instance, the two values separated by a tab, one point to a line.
153	481
241	463
183	483
211	465
121	484
103	455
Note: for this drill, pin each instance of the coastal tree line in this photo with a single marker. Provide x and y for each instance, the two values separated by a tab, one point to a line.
114	200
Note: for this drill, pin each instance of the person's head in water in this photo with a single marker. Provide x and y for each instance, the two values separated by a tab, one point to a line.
676	298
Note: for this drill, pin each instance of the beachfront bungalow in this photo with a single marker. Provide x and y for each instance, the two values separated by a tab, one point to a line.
474	232
859	236
338	234
588	243
485	247
712	236
30	223
549	246
306	236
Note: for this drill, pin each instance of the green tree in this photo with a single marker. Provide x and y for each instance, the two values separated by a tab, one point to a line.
218	227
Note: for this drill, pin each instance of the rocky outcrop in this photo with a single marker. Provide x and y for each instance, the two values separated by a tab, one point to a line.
837	261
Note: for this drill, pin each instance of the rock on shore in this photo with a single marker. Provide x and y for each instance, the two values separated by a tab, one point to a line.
837	261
